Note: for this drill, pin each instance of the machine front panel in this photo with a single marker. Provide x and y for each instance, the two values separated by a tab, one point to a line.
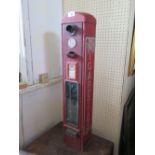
78	45
72	71
72	41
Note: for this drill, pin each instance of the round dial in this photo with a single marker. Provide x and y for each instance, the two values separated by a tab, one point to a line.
71	42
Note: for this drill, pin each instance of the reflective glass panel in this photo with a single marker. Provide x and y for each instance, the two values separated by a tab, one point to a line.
72	102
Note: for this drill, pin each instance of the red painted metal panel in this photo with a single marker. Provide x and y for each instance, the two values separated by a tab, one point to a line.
78	47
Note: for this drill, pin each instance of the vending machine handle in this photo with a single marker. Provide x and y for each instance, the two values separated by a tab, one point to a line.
71	54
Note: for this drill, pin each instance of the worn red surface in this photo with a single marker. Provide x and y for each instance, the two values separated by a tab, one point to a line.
85	53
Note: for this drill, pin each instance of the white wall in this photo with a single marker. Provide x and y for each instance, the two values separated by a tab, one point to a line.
45	28
129	81
111	84
39	110
20	123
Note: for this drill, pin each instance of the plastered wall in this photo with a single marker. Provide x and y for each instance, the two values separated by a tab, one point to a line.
42	108
39	110
111	84
45	32
129	81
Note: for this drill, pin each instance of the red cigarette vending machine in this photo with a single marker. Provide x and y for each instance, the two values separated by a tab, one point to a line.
78	47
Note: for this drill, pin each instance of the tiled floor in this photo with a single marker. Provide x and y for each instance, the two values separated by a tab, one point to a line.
51	143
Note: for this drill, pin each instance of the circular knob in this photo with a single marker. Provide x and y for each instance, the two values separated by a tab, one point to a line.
71	29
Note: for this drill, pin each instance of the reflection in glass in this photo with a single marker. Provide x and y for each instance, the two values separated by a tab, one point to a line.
72	102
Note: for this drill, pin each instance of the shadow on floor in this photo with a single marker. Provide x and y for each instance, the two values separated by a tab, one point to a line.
51	143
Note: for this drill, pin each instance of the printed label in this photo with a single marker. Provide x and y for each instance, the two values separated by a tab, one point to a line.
89	67
71	71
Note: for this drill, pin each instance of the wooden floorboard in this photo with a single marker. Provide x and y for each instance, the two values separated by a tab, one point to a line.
51	143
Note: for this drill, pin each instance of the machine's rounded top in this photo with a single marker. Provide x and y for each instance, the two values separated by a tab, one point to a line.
78	17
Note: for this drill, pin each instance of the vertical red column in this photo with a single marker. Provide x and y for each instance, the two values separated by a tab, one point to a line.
78	47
